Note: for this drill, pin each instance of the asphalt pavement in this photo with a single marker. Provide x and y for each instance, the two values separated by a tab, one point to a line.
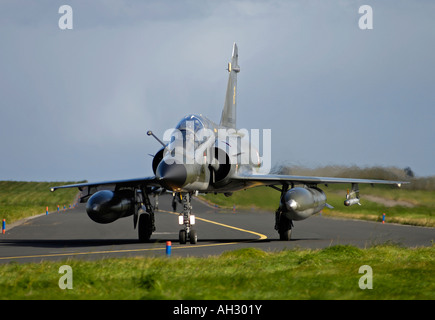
71	234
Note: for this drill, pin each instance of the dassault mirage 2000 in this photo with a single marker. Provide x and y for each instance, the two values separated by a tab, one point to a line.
200	157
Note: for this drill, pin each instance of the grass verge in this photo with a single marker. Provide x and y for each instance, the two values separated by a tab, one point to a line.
20	200
331	273
419	209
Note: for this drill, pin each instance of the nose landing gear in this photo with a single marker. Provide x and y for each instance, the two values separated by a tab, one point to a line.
188	220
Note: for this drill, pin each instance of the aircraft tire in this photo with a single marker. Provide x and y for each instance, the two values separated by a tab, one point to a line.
285	235
144	230
182	236
193	237
285	228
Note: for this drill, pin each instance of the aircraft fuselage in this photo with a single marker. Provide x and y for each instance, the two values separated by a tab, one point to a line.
203	156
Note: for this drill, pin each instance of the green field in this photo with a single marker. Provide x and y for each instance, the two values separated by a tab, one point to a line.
415	207
331	273
412	204
20	199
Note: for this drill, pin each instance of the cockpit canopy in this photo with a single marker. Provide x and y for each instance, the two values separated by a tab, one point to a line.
191	133
191	122
194	127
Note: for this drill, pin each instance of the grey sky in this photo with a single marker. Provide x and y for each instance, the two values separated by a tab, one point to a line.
76	104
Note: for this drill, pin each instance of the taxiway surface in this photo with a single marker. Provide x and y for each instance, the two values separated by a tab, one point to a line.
71	234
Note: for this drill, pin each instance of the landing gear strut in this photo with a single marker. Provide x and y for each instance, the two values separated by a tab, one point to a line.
145	212
187	219
283	224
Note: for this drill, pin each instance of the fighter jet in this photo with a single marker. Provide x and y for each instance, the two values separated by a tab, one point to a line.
201	157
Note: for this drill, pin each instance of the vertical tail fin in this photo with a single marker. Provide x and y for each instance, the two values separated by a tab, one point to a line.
228	118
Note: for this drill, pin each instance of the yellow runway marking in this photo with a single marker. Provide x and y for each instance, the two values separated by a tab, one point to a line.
113	251
261	237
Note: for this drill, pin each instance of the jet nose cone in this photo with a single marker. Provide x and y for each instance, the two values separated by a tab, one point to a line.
173	176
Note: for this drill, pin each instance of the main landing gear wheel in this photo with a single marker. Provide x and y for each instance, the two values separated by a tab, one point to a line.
283	225
285	235
145	214
145	227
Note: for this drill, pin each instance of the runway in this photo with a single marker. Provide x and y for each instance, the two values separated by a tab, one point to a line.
71	234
